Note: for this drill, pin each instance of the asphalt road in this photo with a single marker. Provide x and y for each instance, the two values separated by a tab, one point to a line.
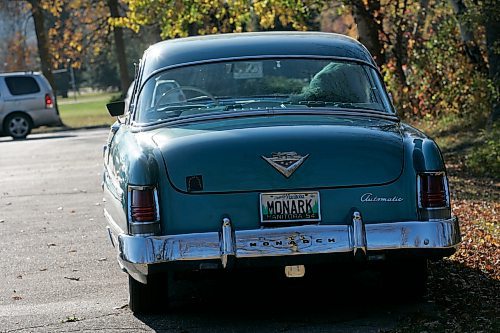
58	271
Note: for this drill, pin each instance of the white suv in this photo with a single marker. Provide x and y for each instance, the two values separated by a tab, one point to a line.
26	101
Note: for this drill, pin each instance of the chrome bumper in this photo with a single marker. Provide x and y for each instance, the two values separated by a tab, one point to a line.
230	244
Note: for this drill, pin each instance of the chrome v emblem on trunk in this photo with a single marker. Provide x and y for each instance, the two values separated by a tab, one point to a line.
286	162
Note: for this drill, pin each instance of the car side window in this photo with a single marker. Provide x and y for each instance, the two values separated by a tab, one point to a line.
22	85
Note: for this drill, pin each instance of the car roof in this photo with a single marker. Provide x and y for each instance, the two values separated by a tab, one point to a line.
27	73
180	51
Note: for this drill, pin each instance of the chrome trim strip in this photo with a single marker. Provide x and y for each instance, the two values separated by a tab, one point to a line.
140	187
139	127
289	241
112	184
114	226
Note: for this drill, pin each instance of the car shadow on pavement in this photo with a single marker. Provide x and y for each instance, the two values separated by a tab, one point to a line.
338	301
36	138
332	301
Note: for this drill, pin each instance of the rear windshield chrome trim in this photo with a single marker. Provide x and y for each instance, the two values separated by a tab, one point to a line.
139	127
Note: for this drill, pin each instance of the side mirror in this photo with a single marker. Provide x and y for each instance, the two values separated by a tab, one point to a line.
116	109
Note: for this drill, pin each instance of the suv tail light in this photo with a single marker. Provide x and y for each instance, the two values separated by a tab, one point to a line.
49	103
143	210
433	195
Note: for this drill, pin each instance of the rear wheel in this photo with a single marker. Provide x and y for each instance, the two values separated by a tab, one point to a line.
406	279
148	298
18	126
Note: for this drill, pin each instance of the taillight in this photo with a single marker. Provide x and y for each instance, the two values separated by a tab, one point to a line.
49	103
142	205
433	196
433	189
144	217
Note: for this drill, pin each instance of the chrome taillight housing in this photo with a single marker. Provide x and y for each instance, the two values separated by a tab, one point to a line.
143	210
433	196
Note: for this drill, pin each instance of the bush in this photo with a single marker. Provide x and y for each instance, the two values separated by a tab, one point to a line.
485	159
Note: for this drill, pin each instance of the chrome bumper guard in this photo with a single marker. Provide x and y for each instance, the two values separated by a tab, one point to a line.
228	244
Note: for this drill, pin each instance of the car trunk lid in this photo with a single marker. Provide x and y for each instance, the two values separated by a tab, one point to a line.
281	156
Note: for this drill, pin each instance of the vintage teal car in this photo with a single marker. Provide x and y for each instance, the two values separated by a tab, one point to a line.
269	149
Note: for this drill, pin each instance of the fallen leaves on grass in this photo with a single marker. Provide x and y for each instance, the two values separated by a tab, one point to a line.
480	247
466	286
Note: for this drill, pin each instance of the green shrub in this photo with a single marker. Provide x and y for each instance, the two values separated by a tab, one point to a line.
485	158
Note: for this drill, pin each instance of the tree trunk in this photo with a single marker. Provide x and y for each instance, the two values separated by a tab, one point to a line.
368	29
42	41
492	27
467	35
119	47
421	17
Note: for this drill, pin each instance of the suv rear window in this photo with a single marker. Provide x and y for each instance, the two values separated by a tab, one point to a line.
22	85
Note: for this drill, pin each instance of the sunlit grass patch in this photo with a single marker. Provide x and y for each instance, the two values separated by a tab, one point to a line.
87	110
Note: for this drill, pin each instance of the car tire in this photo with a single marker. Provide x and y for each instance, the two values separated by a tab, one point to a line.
148	298
406	279
18	126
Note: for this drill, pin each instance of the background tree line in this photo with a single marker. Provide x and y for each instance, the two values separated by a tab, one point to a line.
438	58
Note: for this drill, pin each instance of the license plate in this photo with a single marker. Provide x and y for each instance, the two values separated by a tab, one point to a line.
290	207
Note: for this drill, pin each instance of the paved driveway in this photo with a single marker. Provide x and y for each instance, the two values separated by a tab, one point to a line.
58	272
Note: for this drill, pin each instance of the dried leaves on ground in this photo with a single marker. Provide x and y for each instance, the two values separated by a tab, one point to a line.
466	287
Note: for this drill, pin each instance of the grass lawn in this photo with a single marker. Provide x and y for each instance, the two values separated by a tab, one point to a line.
87	110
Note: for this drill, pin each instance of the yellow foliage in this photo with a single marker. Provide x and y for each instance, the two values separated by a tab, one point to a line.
179	18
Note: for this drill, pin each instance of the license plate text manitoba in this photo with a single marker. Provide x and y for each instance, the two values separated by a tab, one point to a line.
290	207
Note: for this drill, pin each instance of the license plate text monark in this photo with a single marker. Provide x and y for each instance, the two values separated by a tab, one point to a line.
290	207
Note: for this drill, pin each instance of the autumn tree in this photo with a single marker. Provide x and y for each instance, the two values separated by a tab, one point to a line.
177	18
82	30
38	11
119	46
18	52
369	26
470	43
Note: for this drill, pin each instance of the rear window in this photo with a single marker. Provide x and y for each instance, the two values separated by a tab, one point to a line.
22	85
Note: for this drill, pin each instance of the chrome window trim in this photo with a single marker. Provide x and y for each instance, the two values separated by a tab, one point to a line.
139	127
